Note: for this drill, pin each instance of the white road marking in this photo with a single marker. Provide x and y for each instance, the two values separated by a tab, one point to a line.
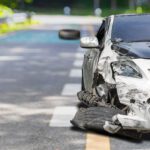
79	55
71	89
62	116
10	58
20	50
75	73
78	63
7	80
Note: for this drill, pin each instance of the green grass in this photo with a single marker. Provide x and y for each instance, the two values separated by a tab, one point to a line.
143	9
107	12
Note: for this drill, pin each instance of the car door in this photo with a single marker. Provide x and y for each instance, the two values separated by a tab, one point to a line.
90	63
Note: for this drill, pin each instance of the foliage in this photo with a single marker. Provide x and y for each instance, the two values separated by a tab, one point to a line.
5	11
15	3
28	1
143	9
5	28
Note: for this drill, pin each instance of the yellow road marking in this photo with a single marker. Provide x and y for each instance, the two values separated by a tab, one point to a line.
97	142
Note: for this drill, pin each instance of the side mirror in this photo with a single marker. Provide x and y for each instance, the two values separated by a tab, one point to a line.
89	42
69	34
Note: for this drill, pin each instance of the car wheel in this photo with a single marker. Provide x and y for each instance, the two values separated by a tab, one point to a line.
69	34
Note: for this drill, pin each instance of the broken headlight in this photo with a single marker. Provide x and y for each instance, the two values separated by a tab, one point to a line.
125	68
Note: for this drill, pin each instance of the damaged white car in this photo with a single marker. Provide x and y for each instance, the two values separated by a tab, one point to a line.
116	77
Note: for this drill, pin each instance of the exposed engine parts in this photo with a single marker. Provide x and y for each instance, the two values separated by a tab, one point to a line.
90	100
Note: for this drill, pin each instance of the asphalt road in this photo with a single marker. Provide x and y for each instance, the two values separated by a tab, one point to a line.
39	76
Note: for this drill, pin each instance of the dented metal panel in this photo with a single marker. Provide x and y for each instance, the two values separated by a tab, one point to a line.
125	67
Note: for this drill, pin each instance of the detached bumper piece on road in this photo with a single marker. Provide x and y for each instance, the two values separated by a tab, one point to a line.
94	116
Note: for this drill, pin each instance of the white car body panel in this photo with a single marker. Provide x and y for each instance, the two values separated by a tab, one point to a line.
128	88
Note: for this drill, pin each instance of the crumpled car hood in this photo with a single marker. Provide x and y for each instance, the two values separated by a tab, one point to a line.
140	49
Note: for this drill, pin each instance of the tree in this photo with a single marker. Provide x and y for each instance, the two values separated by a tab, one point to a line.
96	4
113	4
131	4
16	3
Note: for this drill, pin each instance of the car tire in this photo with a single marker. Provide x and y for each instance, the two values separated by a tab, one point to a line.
69	34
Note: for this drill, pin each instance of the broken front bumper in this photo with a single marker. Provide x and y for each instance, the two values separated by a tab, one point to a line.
136	118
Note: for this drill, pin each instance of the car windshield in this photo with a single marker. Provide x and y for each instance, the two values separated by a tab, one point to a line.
131	28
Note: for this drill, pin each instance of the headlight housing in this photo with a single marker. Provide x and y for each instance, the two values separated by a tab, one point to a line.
126	68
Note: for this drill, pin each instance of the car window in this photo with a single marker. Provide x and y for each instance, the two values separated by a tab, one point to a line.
131	28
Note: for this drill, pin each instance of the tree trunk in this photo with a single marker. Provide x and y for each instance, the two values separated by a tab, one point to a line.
21	4
131	4
113	4
96	4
